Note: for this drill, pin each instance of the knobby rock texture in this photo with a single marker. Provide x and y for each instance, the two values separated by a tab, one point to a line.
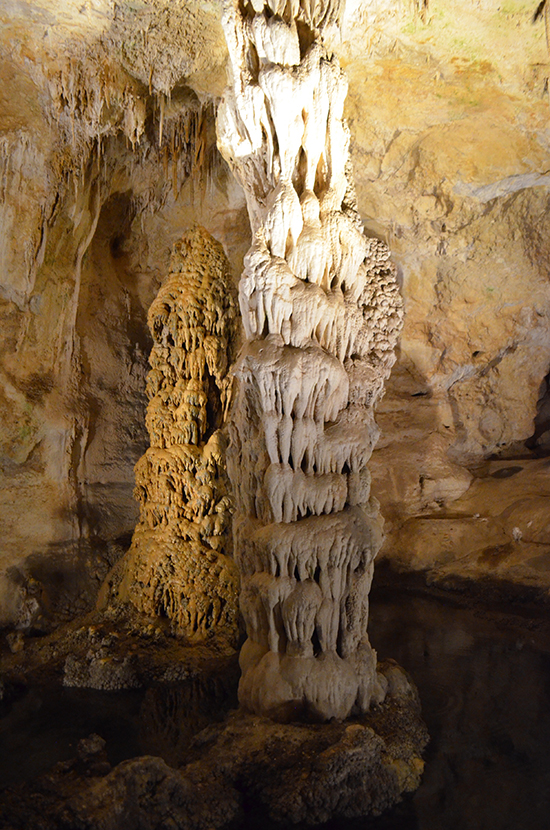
288	774
108	152
321	313
179	564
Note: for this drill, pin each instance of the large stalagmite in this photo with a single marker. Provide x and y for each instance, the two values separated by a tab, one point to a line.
178	565
321	313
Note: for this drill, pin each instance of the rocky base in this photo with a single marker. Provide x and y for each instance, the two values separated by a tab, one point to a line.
118	649
293	773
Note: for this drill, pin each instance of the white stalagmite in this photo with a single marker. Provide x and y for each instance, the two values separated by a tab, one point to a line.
321	313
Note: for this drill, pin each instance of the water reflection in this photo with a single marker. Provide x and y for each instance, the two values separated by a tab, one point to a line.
484	685
171	715
485	691
46	723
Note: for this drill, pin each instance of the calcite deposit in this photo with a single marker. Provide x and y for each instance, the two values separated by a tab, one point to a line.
246	768
107	153
321	313
179	565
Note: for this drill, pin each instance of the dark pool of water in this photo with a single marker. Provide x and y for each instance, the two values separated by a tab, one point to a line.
484	682
44	725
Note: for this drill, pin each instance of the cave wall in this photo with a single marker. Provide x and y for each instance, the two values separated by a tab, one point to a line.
107	153
449	117
100	174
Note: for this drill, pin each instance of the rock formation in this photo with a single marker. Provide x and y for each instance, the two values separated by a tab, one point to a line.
179	564
321	313
450	153
245	769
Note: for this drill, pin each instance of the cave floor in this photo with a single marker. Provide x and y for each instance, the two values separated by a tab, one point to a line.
481	663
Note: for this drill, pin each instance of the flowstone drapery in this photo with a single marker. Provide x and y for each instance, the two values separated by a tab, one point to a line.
321	312
178	564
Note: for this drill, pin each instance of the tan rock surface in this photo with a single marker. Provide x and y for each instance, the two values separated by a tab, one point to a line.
86	233
450	148
457	181
498	530
179	565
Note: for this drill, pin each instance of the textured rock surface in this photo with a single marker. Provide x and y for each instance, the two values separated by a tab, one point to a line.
179	564
321	314
109	651
450	149
496	532
455	178
88	223
292	774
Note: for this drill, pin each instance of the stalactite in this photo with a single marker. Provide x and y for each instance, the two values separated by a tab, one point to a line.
321	313
179	565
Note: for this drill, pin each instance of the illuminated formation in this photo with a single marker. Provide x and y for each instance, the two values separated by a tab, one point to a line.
321	313
178	565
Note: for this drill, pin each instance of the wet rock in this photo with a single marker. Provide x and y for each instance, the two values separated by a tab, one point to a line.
90	747
304	773
294	773
16	641
92	755
147	793
101	670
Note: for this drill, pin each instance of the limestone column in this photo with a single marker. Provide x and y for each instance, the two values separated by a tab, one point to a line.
321	312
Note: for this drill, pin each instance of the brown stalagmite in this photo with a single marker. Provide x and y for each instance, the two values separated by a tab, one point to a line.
321	313
179	564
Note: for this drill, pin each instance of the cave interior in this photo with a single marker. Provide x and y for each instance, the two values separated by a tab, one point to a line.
118	178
